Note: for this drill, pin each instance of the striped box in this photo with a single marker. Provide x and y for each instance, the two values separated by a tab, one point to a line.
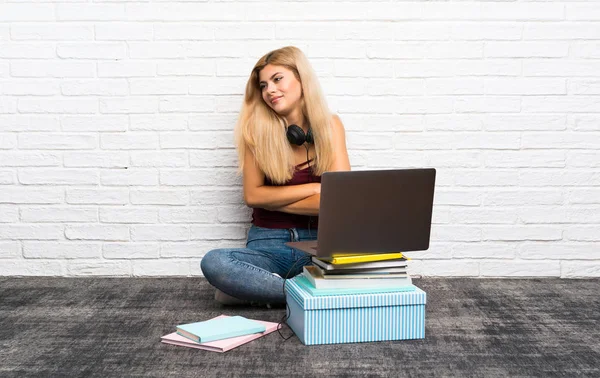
355	318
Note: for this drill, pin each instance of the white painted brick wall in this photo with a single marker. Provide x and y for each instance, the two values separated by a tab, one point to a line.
116	127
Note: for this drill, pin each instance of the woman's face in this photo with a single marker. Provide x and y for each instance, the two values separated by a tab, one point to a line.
280	89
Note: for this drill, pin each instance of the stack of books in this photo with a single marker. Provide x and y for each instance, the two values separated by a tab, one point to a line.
357	274
219	334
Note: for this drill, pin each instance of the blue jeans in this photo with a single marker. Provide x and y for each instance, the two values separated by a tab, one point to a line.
246	273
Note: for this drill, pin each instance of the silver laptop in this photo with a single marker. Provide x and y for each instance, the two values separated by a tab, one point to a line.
364	212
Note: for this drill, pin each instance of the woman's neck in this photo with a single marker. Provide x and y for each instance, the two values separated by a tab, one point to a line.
297	118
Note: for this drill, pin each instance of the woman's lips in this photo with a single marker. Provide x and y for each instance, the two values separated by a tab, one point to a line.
275	99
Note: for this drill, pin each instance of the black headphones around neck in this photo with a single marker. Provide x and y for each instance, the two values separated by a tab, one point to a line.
295	135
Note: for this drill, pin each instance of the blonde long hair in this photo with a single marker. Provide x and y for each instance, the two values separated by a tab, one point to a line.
262	130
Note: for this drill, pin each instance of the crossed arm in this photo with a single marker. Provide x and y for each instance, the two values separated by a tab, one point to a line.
296	199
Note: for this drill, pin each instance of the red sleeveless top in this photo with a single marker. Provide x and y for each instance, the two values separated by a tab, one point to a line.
277	219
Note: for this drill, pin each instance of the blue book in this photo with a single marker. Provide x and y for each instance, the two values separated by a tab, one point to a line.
220	328
305	284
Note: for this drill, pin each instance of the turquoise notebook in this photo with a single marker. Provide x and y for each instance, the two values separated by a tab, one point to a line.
307	286
219	328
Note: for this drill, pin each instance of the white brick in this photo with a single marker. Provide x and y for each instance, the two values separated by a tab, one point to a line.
457	197
220	49
353	87
444	233
189	249
214	158
125	68
362	68
479	31
23	123
486	178
106	159
436	251
388	159
461	159
549	178
157	50
463	86
580	215
65	250
388	123
128	105
587	50
560	31
98	268
222	176
160	232
9	214
369	141
513	197
31	267
519	232
27	50
58	214
444	268
128	177
130	251
159	197
159	159
57	176
528	86
26	12
129	141
244	31
525	159
183	31
90	12
31	195
192	67
504	251
170	86
97	232
488	104
58	105
30	88
579	269
583	233
9	250
483	216
7	177
128	215
520	269
583	12
217	232
8	141
188	140
522	11
390	50
224	196
171	104
557	251
8	105
188	215
453	50
583	196
51	32
237	214
4	32
526	49
95	50
4	69
582	122
57	141
385	87
104	87
578	104
524	122
160	268
121	31
317	31
52	68
102	196
215	86
138	122
31	231
562	140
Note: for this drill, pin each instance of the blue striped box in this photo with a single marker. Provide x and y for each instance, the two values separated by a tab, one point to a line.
356	318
